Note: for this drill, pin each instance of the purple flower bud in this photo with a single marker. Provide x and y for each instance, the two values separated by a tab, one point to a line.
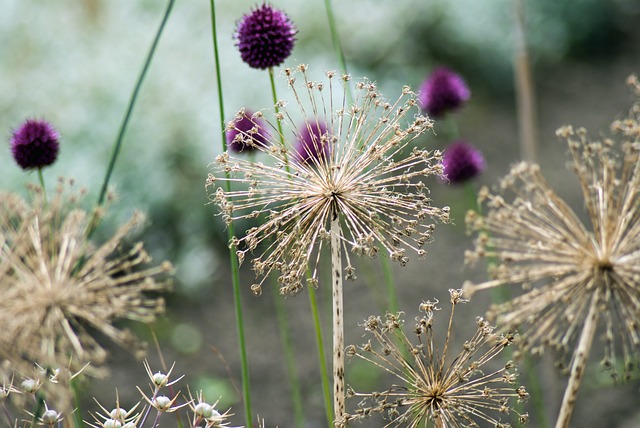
35	144
313	143
462	162
248	132
443	91
265	37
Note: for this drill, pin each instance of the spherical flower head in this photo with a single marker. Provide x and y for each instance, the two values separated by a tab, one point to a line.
313	144
265	37
246	132
35	144
462	162
443	91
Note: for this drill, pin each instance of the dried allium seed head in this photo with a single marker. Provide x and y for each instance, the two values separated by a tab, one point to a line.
572	272
452	392
58	288
369	179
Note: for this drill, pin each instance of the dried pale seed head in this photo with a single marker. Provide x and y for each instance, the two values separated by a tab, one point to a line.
367	176
457	390
569	267
58	288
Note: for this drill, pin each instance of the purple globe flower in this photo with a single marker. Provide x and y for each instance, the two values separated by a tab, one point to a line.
265	37
462	162
247	132
443	91
313	144
35	144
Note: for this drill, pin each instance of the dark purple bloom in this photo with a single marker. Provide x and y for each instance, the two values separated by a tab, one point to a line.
248	133
35	144
265	37
313	143
462	162
443	91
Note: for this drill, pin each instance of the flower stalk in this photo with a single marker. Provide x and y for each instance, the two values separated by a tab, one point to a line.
338	321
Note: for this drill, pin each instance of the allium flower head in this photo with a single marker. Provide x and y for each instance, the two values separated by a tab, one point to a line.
443	91
576	274
311	145
247	123
265	37
58	290
462	162
466	390
370	181
35	144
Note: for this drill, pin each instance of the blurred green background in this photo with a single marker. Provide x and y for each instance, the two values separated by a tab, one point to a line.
75	63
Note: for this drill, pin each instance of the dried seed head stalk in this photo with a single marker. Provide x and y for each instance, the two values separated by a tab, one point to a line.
369	180
448	392
57	289
571	271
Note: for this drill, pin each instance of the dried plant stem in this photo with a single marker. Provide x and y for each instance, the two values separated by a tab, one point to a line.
125	121
524	88
439	423
326	388
579	363
338	325
233	257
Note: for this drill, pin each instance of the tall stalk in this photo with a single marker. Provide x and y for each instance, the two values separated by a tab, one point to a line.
579	363
233	258
338	321
125	121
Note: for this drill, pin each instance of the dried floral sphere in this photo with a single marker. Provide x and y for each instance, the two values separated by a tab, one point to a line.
313	144
247	132
462	162
443	91
35	144
265	37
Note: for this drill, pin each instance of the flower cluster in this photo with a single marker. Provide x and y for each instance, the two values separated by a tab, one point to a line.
369	180
448	392
462	162
443	91
35	144
57	289
575	275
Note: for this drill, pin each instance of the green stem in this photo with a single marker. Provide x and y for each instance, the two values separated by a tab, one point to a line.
123	127
292	372
326	388
44	190
275	104
77	413
235	277
335	40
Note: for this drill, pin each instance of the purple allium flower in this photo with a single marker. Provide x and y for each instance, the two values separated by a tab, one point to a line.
35	144
462	162
443	91
313	143
265	37
246	132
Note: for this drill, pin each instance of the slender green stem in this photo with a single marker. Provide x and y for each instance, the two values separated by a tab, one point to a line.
292	372
125	121
77	413
44	189
392	295
326	388
235	277
275	104
335	40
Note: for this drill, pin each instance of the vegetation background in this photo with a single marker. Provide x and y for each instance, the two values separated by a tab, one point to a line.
74	62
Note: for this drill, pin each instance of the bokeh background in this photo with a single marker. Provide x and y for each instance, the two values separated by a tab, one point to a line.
75	62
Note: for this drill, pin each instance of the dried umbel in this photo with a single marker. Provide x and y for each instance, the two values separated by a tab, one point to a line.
369	181
435	387
576	276
58	290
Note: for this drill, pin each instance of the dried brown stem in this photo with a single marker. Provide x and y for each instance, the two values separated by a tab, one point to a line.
338	325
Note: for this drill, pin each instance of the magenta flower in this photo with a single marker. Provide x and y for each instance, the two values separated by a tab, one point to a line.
312	144
265	37
462	162
443	91
247	132
35	144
